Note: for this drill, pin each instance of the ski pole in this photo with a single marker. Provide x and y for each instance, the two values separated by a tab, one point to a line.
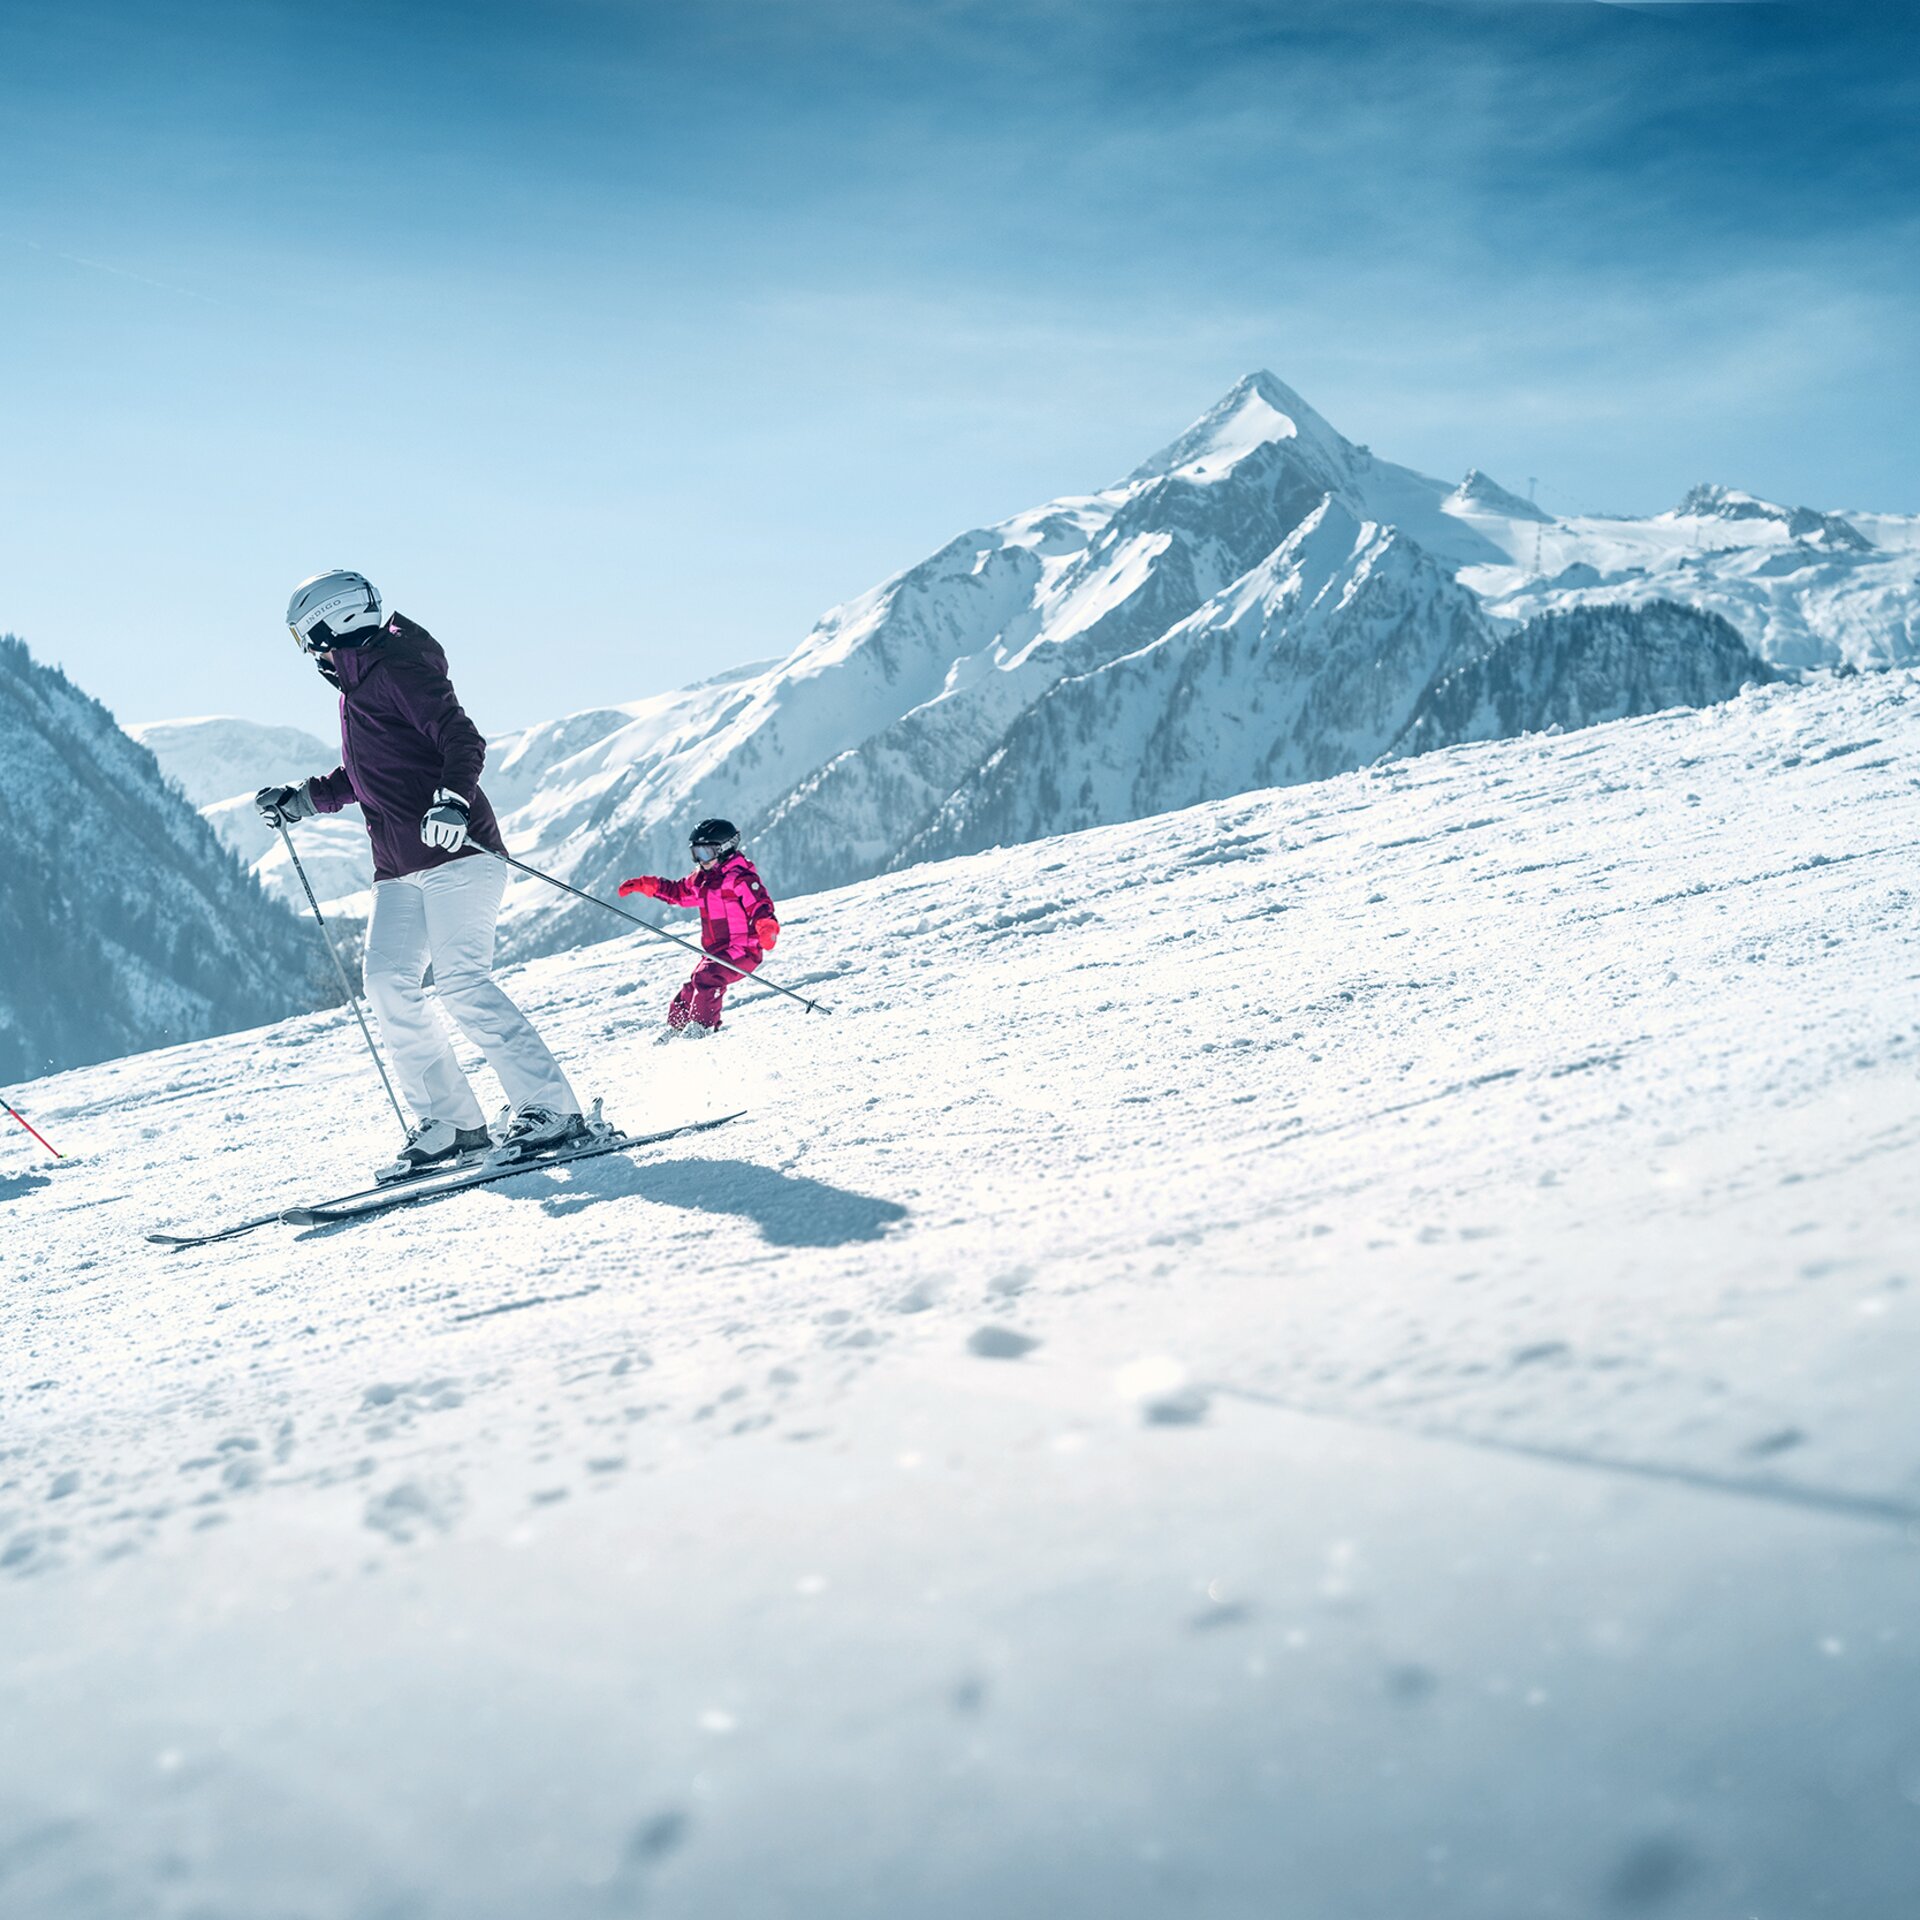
379	1064
759	979
35	1131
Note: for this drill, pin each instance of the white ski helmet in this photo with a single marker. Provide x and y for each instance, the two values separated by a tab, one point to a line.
337	609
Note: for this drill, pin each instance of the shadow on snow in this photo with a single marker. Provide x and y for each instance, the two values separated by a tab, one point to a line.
789	1209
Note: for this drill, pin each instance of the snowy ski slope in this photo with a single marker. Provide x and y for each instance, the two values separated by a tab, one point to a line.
1348	1353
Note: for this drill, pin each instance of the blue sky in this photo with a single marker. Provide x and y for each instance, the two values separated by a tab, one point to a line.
617	341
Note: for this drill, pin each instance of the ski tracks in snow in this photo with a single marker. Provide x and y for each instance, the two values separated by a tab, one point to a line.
1558	1096
1407	1063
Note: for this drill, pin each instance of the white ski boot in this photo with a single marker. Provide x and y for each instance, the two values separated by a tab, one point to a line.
432	1145
536	1130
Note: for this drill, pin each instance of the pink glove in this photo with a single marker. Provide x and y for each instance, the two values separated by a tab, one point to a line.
646	884
766	931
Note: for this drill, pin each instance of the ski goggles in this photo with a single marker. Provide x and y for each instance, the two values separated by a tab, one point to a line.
318	637
705	854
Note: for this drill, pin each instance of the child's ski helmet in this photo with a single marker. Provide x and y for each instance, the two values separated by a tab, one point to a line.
336	609
714	839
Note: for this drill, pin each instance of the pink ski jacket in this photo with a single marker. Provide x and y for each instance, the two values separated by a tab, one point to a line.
730	898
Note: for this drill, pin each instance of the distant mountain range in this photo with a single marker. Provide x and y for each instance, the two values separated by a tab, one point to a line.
1263	601
220	763
125	924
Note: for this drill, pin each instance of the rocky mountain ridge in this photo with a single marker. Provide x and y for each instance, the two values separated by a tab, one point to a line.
125	924
1062	665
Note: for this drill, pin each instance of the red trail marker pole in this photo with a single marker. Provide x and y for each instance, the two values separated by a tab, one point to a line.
37	1134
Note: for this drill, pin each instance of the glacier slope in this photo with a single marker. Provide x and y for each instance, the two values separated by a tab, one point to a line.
1357	1340
1802	588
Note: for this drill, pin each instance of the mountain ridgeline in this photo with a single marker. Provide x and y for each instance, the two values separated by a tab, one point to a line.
1261	602
1582	667
125	924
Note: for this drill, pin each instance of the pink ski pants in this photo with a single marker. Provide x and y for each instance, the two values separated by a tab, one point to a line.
700	998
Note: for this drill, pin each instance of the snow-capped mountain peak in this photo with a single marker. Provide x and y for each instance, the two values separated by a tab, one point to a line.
1314	586
1256	412
1808	524
1312	660
1480	493
1711	501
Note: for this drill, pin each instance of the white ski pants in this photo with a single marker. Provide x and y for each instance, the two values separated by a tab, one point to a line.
446	915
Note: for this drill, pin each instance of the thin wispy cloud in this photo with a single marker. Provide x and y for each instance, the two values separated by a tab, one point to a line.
120	273
630	292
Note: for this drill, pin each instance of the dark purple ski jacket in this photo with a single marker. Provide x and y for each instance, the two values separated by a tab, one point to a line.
403	736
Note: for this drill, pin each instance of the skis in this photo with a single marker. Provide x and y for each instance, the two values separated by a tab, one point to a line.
273	1219
370	1201
364	1206
178	1240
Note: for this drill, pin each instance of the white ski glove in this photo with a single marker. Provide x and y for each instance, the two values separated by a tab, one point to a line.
445	823
282	806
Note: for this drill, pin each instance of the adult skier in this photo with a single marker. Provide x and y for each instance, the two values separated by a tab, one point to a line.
737	923
411	759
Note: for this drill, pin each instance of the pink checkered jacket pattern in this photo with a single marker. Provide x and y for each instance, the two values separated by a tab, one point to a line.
730	898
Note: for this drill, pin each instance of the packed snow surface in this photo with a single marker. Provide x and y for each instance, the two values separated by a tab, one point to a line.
1349	1352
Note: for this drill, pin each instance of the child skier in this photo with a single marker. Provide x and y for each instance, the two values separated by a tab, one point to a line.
737	923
